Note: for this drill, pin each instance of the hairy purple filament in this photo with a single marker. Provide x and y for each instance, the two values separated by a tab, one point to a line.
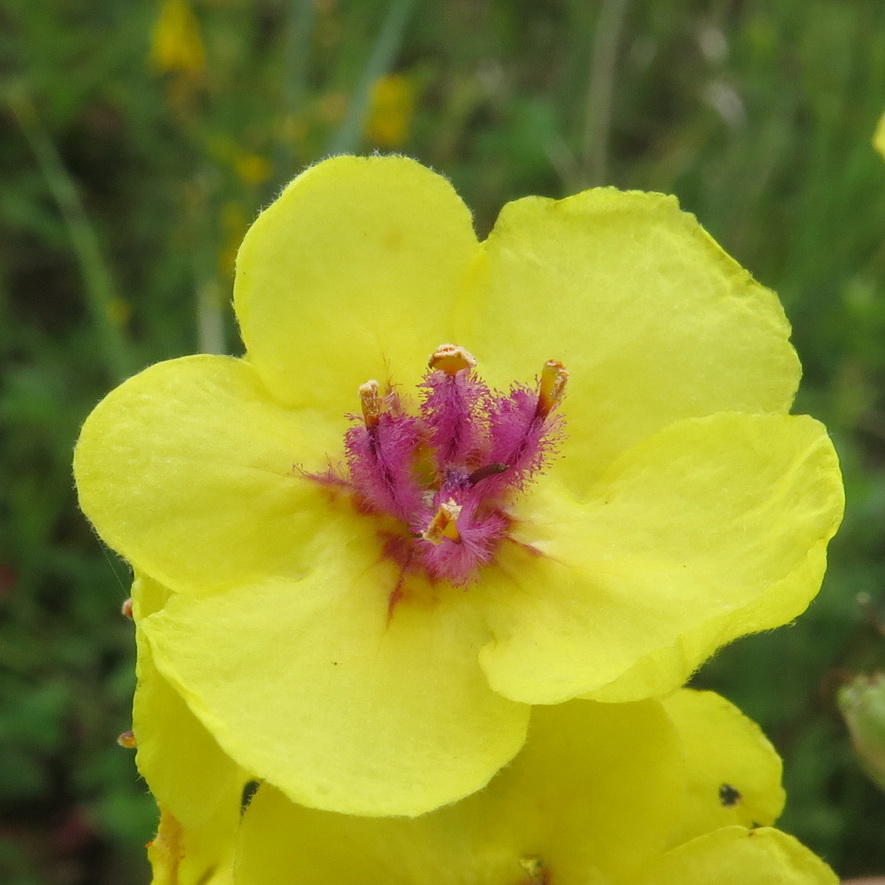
448	474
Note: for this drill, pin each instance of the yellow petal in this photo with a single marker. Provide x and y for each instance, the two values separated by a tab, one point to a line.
188	773
312	686
603	779
653	320
201	855
734	774
350	275
148	596
191	472
711	529
735	856
590	797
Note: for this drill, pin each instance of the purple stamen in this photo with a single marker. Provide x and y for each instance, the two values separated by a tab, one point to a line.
452	407
380	455
449	474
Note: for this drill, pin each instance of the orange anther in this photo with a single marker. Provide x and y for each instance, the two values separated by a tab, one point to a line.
451	359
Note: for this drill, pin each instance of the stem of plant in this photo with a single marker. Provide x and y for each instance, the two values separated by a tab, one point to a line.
98	284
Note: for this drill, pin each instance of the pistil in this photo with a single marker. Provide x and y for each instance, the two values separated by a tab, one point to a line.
444	523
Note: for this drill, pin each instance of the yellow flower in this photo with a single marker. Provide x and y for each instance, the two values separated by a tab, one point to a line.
197	856
649	793
252	169
392	104
176	44
198	787
362	611
592	799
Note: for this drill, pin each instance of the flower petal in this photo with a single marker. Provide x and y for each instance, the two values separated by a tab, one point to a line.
316	688
198	855
734	774
190	471
736	856
605	780
589	797
350	275
653	320
711	529
188	773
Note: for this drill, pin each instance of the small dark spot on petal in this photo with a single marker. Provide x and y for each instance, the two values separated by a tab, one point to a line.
728	795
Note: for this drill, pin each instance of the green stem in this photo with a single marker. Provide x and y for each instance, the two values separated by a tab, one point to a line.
380	60
210	316
97	282
297	48
600	91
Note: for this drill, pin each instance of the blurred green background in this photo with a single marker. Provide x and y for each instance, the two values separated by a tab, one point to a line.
140	138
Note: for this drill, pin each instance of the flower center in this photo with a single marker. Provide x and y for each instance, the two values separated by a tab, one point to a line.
447	475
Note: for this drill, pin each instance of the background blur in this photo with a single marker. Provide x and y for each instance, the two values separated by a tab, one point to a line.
139	138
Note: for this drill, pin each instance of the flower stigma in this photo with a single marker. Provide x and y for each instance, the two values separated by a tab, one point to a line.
444	478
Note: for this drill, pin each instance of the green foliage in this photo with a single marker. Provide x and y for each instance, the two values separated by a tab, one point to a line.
126	189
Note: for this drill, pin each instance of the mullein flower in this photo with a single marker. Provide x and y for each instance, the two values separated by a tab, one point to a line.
683	790
453	479
198	787
176	44
391	108
733	774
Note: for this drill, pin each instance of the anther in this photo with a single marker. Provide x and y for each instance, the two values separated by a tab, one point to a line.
371	402
451	359
444	524
554	376
126	608
127	740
